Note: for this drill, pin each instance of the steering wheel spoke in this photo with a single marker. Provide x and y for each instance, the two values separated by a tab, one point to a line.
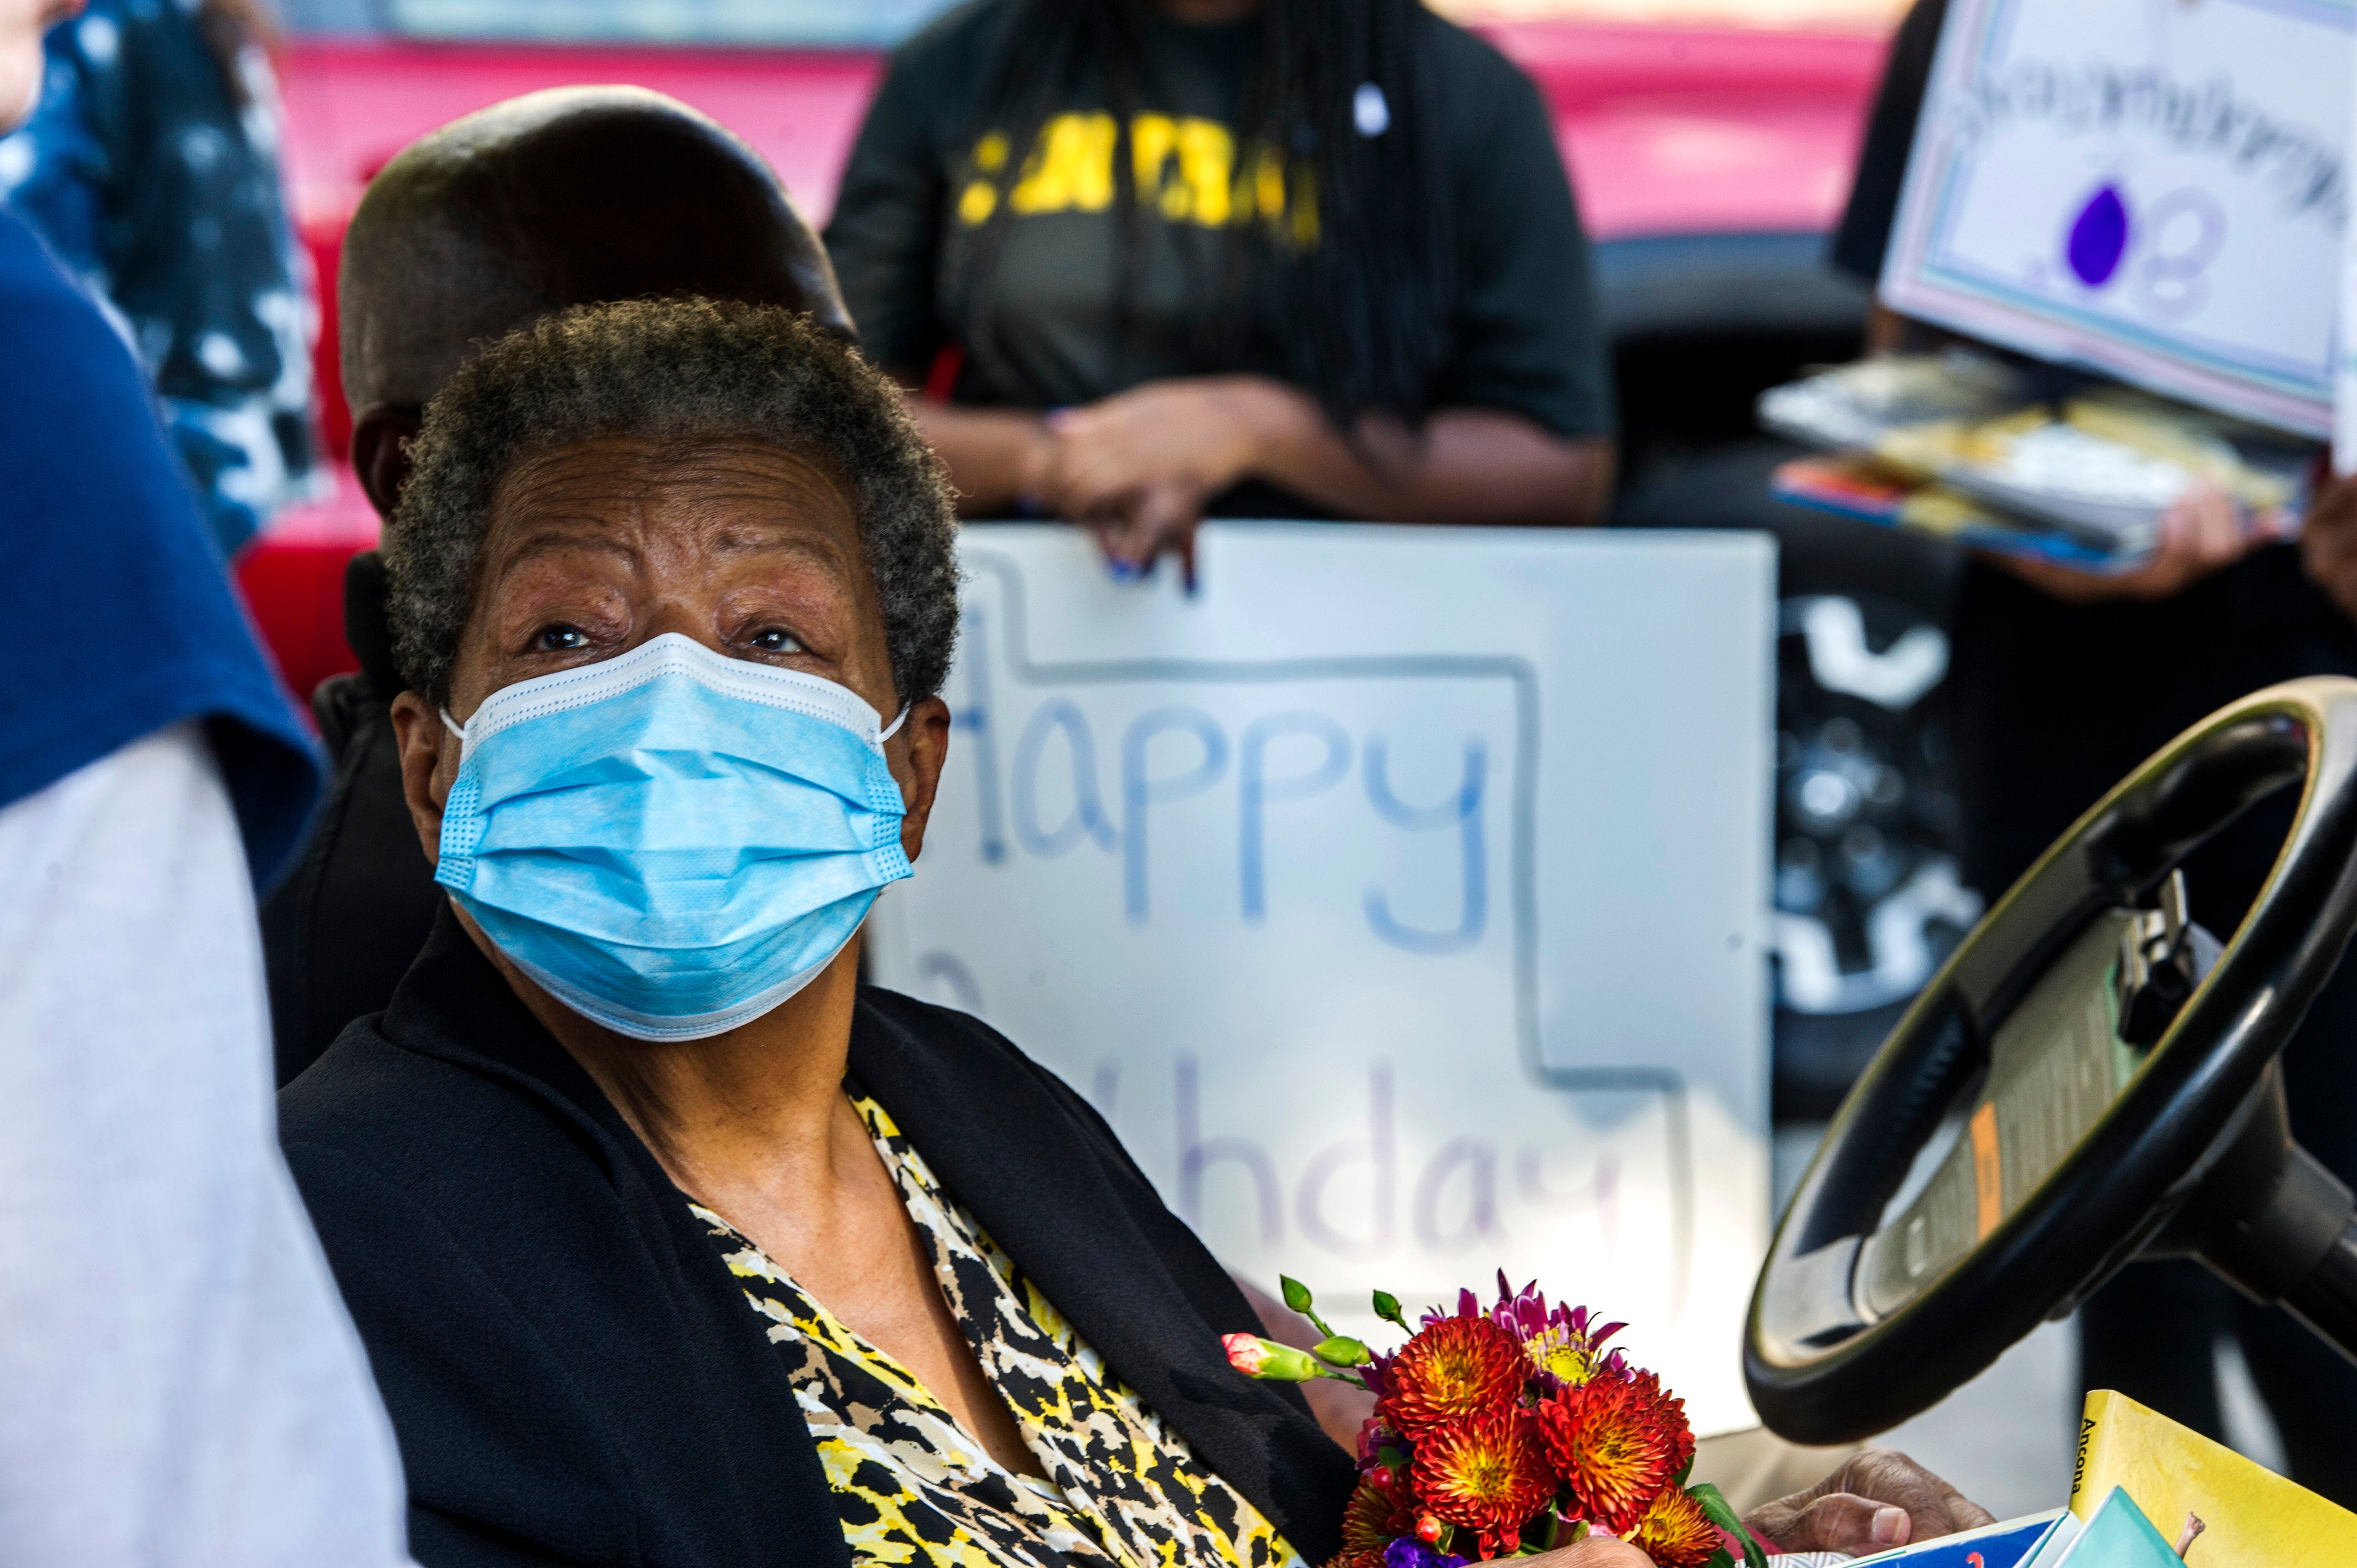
1814	1302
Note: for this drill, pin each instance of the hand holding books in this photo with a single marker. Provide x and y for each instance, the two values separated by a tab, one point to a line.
2147	1493
1877	1501
2094	490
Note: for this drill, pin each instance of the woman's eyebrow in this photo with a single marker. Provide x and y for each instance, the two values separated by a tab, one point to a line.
558	537
777	538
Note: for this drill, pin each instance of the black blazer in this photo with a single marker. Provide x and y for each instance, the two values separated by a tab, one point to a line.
571	1373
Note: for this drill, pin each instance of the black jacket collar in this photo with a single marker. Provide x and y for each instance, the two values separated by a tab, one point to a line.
1036	1167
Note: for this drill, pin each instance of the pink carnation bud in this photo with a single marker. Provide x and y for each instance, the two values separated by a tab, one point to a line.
1258	1357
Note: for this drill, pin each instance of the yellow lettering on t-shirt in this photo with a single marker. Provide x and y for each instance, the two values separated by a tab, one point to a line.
1186	169
1207	156
1268	184
1070	168
1152	138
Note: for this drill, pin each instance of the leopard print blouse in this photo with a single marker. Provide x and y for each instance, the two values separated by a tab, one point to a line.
912	1487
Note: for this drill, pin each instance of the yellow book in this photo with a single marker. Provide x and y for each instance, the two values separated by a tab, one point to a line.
2253	1517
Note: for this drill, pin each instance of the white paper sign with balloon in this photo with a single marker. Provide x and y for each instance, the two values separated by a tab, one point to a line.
2156	190
1400	897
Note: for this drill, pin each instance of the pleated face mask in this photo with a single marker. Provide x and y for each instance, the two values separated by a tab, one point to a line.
673	842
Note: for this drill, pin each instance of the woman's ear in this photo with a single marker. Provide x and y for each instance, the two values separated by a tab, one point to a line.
426	745
926	738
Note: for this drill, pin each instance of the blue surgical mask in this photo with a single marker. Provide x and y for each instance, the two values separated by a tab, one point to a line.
672	841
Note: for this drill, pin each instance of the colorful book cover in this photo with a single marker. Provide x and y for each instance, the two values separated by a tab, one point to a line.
2252	1518
2006	1545
2119	1536
1856	489
2057	1545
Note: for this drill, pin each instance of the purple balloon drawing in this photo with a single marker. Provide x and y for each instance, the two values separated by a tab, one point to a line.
2099	238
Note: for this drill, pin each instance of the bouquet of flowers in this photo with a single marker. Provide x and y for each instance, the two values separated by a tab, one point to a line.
1505	1432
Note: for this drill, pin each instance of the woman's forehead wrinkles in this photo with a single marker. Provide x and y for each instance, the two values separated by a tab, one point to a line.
567	537
626	497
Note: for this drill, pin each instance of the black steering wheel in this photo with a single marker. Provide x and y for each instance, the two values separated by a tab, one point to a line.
2089	1079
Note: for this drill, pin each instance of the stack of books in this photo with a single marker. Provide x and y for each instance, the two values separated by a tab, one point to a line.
1995	456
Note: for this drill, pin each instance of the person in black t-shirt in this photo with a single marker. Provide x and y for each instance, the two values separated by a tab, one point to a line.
2062	682
1242	257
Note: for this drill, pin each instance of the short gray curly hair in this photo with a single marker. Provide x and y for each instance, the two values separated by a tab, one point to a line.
670	370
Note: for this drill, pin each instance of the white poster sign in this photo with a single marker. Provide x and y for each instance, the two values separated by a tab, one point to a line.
1399	899
2153	188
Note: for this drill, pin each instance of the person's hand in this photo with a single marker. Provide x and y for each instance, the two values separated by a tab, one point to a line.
2328	542
1199	433
1595	1551
1159	520
2202	533
1139	466
1877	1501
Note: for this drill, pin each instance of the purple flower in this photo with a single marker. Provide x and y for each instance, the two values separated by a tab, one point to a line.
1375	1434
1565	1344
1409	1552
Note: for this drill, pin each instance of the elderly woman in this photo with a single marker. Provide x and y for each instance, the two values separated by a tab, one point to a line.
669	1243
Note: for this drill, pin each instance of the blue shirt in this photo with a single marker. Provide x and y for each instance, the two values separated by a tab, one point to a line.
117	614
152	171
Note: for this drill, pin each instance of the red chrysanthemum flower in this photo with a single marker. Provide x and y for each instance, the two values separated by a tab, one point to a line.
1616	1441
1675	1531
1486	1473
1374	1518
1454	1367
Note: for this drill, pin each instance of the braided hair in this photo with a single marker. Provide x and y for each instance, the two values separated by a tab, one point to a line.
1361	284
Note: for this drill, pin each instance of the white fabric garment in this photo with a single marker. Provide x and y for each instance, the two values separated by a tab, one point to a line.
179	1383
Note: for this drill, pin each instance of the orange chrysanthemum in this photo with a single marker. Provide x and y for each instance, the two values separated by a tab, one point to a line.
1373	1517
1453	1368
1486	1473
1617	1441
1675	1531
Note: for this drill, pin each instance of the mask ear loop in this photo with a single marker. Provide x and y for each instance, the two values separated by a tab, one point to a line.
453	725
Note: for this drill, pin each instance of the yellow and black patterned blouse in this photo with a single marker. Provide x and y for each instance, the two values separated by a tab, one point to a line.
912	1487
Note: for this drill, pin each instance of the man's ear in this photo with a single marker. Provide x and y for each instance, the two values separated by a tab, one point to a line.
426	744
379	455
926	737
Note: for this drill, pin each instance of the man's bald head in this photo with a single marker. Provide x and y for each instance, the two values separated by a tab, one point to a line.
574	196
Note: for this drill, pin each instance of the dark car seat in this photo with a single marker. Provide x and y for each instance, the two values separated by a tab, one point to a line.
343	926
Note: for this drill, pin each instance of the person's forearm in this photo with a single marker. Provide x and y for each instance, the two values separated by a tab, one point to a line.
1467	465
994	454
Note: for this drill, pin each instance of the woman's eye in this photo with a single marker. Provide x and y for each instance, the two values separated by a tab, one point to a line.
559	639
777	639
